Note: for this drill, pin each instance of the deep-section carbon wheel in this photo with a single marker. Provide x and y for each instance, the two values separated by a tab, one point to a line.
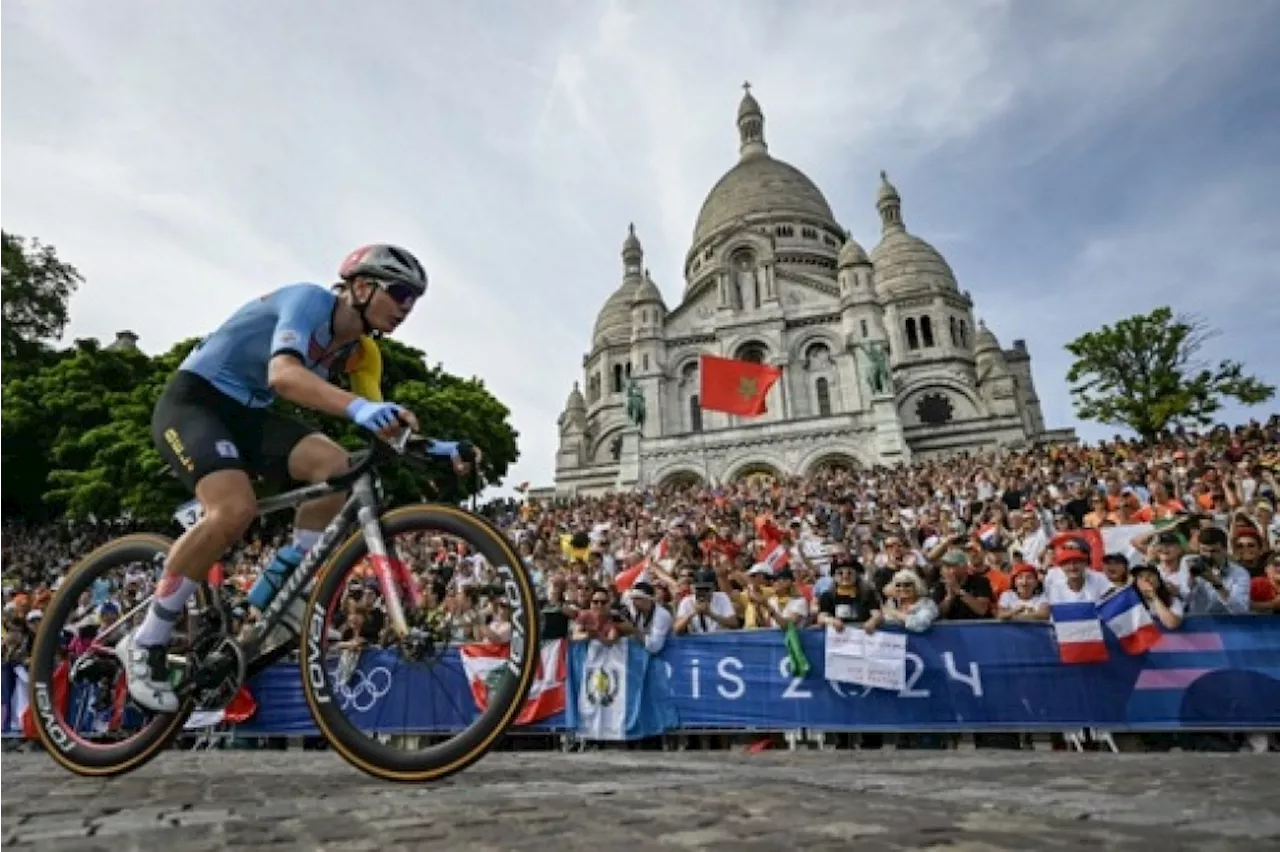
79	705
405	709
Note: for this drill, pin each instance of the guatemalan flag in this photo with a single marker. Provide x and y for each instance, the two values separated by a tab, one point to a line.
1127	617
1079	633
620	692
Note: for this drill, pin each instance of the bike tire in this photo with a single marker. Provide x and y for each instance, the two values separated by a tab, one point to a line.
62	743
438	761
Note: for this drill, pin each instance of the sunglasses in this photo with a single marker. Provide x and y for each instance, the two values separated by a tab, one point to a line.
402	294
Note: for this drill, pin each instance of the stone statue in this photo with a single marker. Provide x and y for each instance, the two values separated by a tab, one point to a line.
878	377
635	403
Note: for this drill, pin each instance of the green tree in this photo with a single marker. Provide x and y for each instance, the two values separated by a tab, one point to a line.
51	421
1146	373
36	289
113	468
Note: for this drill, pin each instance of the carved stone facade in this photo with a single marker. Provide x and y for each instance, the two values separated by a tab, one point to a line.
882	360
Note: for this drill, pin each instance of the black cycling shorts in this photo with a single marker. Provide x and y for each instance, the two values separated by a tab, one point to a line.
199	430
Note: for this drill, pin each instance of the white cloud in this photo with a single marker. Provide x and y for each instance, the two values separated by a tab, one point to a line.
188	158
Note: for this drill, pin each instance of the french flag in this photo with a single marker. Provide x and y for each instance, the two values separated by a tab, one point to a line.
1127	617
1079	633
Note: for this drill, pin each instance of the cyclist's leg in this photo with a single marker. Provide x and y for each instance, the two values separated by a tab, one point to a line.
191	431
291	450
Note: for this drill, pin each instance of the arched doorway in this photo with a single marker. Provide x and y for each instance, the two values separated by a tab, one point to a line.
681	479
832	463
757	474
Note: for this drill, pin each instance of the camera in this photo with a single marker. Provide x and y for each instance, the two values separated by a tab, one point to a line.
1200	566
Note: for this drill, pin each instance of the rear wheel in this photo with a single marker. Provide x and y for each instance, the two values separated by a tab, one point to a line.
431	735
79	703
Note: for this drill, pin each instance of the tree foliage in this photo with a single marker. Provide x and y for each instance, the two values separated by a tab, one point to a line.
77	426
36	289
1146	373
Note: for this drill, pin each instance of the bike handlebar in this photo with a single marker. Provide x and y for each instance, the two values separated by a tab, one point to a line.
380	451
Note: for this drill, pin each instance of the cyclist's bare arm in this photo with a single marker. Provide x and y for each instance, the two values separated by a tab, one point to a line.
287	377
294	382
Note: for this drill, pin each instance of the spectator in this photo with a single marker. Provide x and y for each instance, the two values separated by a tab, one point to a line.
961	594
1218	585
905	604
647	622
1026	600
708	609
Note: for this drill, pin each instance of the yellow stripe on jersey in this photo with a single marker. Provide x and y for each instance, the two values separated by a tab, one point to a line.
365	368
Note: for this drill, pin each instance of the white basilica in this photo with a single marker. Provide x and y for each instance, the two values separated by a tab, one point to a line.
882	360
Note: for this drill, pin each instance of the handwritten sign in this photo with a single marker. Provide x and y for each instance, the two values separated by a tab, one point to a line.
878	660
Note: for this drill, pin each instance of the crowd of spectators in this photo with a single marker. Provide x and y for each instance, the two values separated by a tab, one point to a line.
978	536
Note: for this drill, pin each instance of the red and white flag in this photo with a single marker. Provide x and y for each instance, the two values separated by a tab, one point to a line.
241	708
546	698
639	573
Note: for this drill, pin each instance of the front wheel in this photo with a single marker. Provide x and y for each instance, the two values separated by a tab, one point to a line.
412	710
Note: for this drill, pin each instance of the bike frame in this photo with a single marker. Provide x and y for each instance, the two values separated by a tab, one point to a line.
361	509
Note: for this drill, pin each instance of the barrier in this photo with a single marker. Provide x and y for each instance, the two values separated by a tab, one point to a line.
1215	673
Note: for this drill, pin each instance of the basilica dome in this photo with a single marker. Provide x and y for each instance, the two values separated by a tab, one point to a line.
759	183
614	321
901	259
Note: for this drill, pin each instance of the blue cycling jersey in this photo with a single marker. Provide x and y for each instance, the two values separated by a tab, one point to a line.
296	319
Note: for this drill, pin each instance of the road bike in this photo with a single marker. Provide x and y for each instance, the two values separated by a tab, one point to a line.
212	660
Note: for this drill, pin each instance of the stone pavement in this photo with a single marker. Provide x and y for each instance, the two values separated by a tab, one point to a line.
632	800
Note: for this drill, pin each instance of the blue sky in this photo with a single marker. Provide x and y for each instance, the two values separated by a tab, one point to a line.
1075	162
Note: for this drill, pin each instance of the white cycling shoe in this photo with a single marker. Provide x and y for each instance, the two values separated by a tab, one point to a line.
147	672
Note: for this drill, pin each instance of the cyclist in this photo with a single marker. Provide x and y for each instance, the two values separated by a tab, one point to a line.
214	429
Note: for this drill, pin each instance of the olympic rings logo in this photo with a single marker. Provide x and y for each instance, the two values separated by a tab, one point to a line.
363	689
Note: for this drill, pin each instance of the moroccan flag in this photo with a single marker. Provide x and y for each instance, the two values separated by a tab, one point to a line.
735	387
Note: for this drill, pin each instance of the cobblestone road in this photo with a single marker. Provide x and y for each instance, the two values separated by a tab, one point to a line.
652	800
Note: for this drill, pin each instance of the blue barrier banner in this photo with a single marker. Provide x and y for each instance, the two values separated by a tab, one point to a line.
8	685
1216	673
383	693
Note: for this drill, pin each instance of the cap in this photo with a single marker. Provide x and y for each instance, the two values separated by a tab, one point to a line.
1021	568
1070	552
642	589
